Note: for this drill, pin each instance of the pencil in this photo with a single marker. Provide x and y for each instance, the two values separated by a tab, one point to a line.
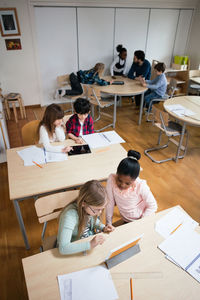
176	228
131	287
37	164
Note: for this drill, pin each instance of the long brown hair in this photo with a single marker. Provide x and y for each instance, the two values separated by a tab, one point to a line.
52	113
91	193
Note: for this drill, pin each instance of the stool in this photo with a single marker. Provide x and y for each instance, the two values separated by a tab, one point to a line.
14	98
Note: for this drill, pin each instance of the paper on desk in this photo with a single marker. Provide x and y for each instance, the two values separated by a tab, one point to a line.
103	139
55	156
93	283
167	224
31	154
183	246
65	286
180	110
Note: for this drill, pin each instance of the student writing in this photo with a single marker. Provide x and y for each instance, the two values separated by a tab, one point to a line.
81	122
51	128
80	219
130	193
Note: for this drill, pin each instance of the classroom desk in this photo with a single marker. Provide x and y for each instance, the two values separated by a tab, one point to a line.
130	88
41	270
29	182
190	102
195	79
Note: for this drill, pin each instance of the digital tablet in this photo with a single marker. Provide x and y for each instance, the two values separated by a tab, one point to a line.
117	82
80	149
123	247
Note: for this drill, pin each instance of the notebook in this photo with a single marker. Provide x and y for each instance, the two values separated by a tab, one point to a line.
103	139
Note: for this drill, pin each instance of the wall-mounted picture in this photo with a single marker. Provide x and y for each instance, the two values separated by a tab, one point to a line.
9	24
13	44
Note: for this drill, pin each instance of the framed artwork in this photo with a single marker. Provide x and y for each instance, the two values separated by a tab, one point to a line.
9	24
13	44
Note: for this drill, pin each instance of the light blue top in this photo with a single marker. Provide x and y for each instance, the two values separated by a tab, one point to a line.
68	231
158	85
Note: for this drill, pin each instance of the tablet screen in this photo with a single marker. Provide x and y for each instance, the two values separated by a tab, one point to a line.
81	149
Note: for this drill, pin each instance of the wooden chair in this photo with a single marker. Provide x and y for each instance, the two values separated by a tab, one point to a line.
171	89
30	133
49	208
171	129
94	96
62	81
194	86
13	99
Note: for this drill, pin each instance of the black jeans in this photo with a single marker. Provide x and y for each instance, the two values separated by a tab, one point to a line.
76	86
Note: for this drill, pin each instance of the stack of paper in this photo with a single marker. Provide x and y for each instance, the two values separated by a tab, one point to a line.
180	110
183	247
182	243
103	139
93	283
40	156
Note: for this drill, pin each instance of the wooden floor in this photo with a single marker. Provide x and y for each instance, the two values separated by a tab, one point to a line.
170	183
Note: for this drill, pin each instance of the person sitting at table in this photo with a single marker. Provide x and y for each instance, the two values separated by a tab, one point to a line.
156	87
91	76
80	219
141	67
131	194
81	122
51	129
119	65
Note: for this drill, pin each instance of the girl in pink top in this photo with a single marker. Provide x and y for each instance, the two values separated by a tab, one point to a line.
130	193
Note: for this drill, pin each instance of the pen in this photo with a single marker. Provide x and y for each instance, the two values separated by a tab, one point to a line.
131	287
106	138
176	228
37	164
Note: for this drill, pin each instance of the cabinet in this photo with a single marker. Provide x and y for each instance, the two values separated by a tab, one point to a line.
182	77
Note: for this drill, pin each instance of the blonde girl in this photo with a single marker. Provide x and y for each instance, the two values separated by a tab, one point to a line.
80	219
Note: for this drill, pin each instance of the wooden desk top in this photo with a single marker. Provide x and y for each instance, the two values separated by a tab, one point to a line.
129	88
190	102
32	180
195	79
41	269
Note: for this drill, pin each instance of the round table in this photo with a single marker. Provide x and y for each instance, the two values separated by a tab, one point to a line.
188	102
129	88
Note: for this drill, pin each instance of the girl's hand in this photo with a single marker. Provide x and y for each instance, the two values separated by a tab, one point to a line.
67	149
144	84
111	82
79	140
97	240
108	228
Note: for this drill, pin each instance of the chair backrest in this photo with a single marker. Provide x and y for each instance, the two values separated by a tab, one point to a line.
49	207
94	95
66	118
160	117
62	80
30	133
194	73
153	72
172	87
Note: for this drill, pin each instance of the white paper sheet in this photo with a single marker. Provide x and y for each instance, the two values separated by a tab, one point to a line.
183	246
31	154
65	286
180	110
55	156
103	139
194	270
93	283
167	224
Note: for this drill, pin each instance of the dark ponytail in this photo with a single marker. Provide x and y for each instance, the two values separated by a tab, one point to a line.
130	166
120	49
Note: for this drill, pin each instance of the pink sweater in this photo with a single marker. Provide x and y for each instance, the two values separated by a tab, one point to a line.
133	203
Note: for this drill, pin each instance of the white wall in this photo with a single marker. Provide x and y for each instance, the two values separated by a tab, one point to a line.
194	41
18	67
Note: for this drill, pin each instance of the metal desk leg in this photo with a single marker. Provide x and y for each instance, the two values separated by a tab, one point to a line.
114	111
21	223
180	142
141	108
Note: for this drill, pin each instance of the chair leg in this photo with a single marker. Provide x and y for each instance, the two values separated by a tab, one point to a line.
15	112
44	229
21	108
7	109
159	137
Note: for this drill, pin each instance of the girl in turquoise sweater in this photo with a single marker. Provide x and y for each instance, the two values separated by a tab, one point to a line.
80	219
